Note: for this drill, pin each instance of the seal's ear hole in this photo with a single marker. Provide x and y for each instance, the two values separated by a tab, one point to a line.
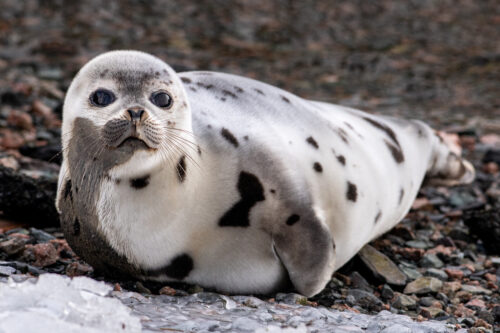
102	98
161	99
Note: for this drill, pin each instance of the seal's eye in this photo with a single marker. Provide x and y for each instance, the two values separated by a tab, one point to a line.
102	97
161	99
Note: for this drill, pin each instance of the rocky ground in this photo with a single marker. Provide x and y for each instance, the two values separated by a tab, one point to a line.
432	60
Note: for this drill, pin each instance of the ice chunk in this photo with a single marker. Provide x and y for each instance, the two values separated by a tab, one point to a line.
55	303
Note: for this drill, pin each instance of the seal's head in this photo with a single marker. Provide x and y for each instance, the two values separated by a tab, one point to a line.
130	105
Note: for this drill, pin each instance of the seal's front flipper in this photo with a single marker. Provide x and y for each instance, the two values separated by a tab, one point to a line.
446	167
307	250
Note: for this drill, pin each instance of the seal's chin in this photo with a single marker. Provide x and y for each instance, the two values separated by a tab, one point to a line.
133	143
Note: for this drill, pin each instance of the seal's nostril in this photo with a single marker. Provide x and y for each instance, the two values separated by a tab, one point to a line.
135	114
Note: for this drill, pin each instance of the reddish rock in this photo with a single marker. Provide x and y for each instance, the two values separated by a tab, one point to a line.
45	254
10	139
454	273
167	291
462	311
476	303
78	269
445	251
411	253
482	323
20	120
451	287
13	245
9	162
50	119
421	204
491	168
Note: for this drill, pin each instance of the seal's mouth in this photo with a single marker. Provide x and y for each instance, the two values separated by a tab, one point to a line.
133	143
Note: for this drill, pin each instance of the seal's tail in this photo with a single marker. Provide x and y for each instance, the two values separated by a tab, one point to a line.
447	167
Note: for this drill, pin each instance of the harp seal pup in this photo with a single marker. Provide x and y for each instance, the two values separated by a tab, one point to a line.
228	182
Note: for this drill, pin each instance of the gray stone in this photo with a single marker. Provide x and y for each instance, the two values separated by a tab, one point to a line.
291	298
403	301
359	282
365	299
7	271
437	273
381	266
41	236
475	290
418	244
423	285
410	272
431	260
387	292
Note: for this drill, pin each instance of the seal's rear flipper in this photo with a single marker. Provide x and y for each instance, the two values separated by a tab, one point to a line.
446	167
306	249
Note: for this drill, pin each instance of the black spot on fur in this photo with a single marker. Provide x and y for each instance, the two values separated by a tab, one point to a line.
378	216
396	152
251	192
186	80
384	128
293	219
285	99
203	85
245	137
67	190
229	137
76	227
273	191
193	89
118	181
401	195
343	135
238	89
317	167
310	140
199	150
341	159
140	183
179	268
259	91
352	192
229	93
181	169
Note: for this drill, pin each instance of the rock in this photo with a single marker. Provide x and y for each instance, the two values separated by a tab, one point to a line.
475	290
19	119
359	282
78	269
365	299
7	271
411	273
418	244
167	291
476	303
437	273
381	266
291	298
496	313
431	312
454	273
403	301
45	254
387	292
40	235
13	245
423	285
492	155
431	260
451	287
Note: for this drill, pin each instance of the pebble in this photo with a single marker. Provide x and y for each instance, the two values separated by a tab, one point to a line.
13	245
381	266
291	298
40	235
423	285
431	260
403	301
431	312
437	273
475	290
454	273
7	271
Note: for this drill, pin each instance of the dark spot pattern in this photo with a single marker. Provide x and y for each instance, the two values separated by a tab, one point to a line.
178	268
186	80
118	181
343	135
260	92
76	227
226	134
294	218
251	191
341	159
395	151
273	191
203	85
310	140
199	150
181	169
401	195
395	148
238	89
352	192
245	137
229	93
285	99
378	216
140	183
68	190
193	89
317	167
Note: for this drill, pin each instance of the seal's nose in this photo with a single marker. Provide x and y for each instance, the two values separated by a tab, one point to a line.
135	115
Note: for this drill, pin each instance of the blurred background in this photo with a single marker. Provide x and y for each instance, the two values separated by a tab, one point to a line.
437	60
